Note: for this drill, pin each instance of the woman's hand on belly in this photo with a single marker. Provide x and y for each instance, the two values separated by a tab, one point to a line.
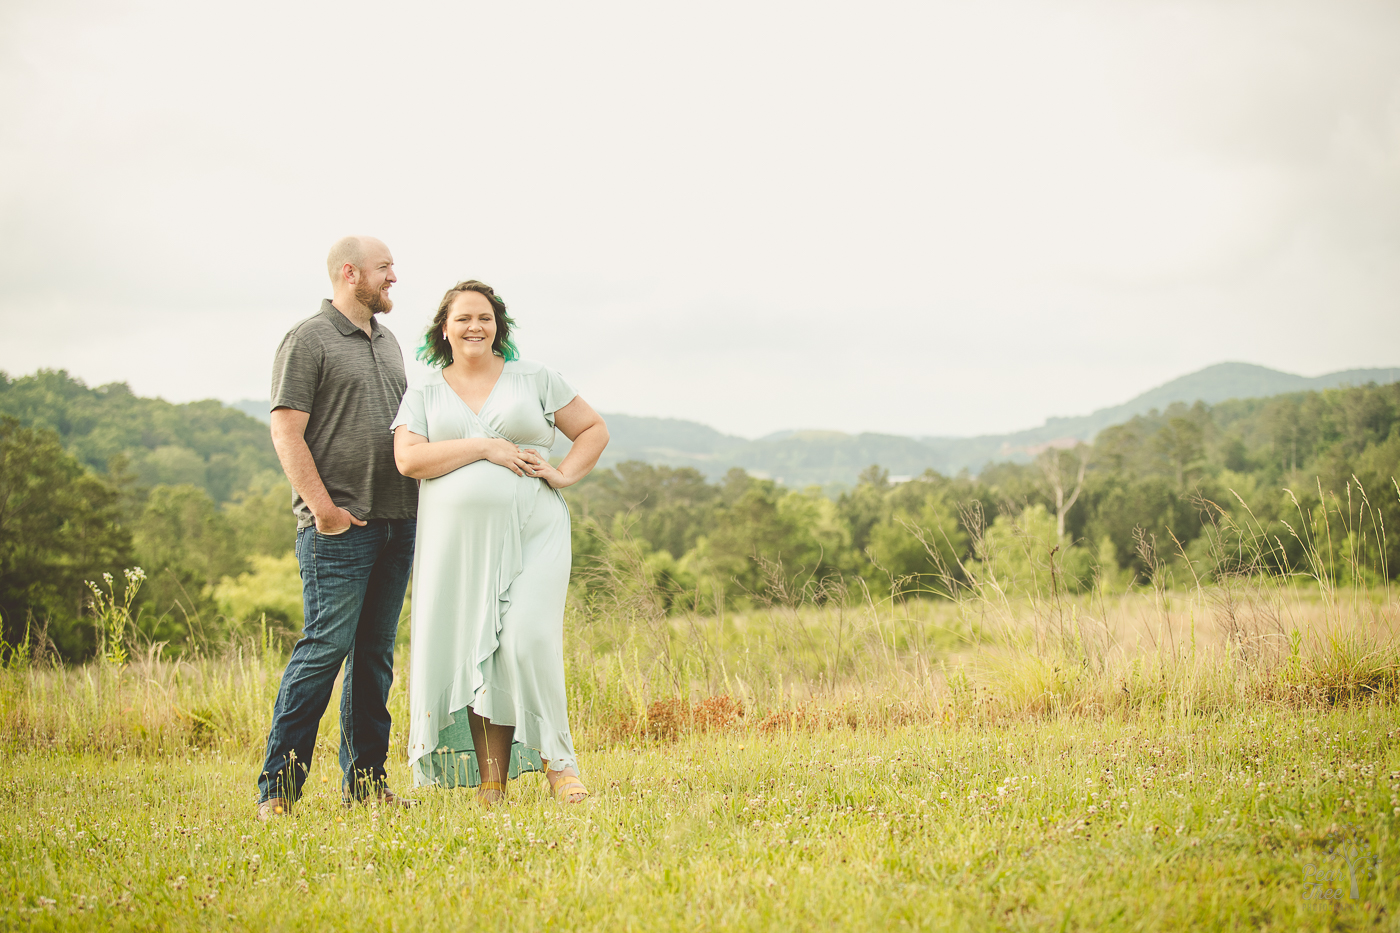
503	453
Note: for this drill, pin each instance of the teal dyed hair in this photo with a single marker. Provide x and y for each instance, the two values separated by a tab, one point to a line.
435	349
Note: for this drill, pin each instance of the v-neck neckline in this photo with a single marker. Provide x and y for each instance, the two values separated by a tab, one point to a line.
489	395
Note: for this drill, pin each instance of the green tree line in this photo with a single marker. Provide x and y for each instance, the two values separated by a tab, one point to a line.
1155	496
94	480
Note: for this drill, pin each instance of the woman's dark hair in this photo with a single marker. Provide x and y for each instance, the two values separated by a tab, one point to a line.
436	351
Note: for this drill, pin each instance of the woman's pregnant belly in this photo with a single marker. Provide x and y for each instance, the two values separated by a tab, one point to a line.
479	491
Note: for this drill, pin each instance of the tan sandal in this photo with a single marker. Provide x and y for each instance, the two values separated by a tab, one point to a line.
487	787
567	787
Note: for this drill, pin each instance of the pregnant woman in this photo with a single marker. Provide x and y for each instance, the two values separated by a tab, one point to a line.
491	567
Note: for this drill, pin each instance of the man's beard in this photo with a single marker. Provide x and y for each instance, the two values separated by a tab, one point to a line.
374	299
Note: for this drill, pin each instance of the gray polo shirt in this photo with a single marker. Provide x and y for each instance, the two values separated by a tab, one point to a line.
351	385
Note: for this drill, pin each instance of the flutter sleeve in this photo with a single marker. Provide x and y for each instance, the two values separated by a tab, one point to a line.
411	413
555	392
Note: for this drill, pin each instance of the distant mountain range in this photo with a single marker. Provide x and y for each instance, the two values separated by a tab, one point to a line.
1213	384
831	458
253	409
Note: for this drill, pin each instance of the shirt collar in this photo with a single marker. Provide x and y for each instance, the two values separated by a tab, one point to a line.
344	324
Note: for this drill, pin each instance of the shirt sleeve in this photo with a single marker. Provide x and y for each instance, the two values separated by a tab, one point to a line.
555	392
411	413
296	371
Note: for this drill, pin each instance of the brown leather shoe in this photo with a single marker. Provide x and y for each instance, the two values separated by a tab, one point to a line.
384	796
271	809
390	799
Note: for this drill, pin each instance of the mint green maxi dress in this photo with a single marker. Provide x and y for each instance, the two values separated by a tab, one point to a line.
490	575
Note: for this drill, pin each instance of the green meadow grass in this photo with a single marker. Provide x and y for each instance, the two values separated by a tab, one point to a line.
1155	761
1141	822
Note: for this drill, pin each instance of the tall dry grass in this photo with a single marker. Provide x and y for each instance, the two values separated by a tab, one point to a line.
1178	652
967	646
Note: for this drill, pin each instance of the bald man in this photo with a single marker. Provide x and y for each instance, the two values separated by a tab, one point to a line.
337	381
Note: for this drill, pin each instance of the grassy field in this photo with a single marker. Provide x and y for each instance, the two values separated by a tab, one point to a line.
1153	762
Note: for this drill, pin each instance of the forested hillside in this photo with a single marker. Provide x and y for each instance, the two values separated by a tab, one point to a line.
204	444
97	480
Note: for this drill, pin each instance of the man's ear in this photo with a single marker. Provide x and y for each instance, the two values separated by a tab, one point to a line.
348	273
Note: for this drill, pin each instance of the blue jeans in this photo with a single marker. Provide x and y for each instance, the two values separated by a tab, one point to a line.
352	590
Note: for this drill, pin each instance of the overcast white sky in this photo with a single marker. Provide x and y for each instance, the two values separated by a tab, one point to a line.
917	218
